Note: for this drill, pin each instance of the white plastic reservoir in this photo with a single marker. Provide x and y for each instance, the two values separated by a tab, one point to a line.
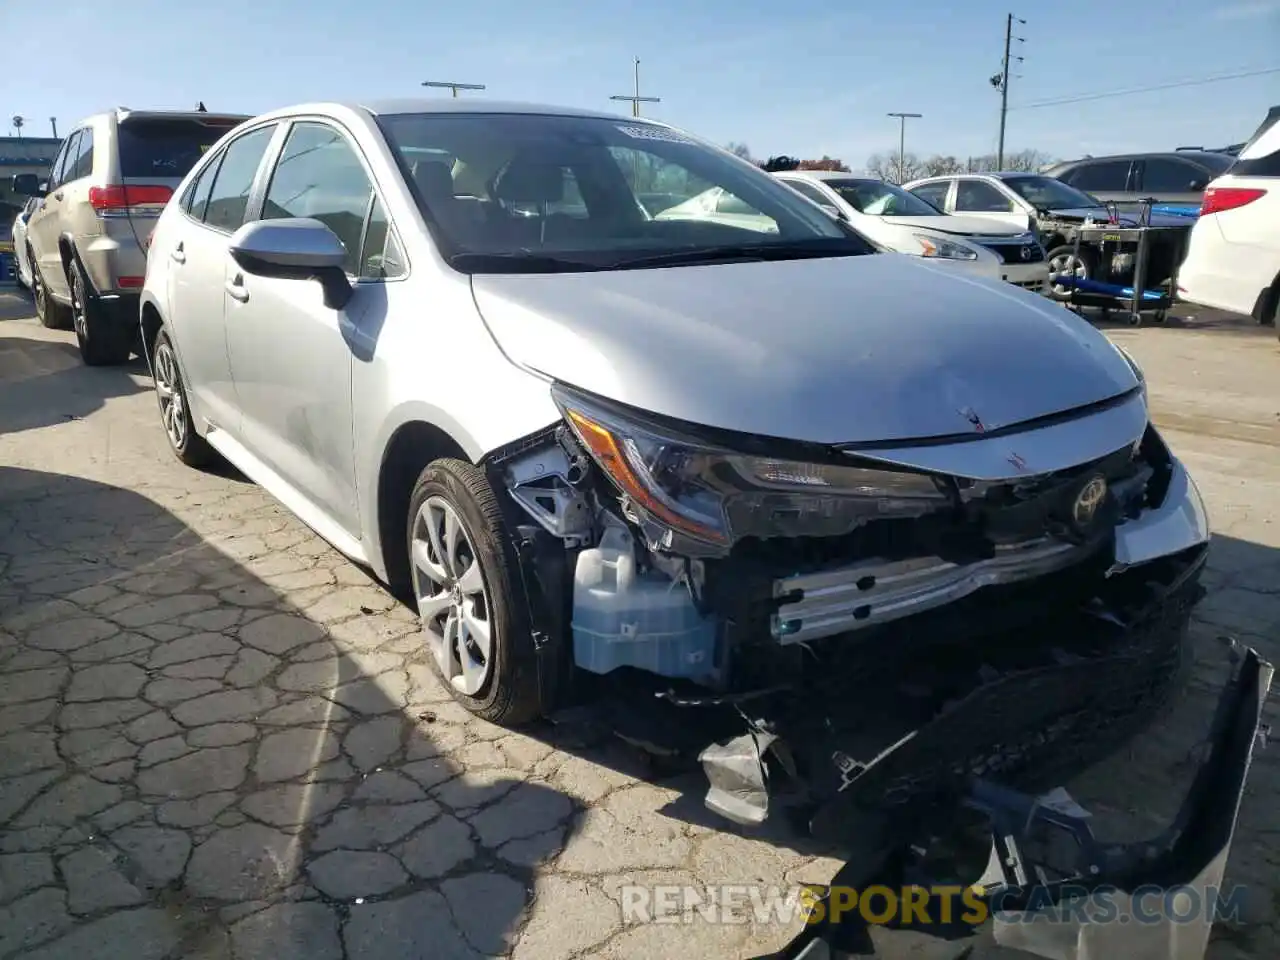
623	618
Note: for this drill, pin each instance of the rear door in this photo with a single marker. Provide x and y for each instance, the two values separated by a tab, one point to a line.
1173	182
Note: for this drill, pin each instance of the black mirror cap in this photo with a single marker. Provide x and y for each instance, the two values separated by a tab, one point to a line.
28	185
333	280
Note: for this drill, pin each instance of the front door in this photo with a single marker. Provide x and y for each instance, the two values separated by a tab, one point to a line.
289	352
977	198
45	225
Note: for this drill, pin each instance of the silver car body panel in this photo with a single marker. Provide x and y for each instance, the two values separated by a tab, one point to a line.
880	350
856	359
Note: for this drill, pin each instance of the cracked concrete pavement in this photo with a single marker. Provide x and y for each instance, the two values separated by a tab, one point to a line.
218	738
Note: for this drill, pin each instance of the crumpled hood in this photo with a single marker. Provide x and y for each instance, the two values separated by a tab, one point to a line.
976	226
868	348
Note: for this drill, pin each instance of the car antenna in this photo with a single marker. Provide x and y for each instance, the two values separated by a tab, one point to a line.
200	107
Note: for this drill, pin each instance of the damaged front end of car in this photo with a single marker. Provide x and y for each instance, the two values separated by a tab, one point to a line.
823	626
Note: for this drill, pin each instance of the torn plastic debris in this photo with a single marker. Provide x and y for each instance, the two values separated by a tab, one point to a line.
1037	889
738	778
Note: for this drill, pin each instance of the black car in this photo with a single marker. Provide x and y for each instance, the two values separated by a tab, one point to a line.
1176	180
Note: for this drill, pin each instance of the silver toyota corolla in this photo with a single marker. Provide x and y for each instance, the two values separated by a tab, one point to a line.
475	347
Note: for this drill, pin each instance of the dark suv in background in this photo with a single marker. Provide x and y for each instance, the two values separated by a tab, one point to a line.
1176	180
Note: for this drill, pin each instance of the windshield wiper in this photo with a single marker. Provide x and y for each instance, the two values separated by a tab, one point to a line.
518	263
740	253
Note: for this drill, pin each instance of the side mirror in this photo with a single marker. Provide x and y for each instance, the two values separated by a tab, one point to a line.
1196	185
28	185
294	249
833	210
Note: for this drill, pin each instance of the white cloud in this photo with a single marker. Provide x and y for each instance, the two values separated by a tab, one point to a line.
1248	10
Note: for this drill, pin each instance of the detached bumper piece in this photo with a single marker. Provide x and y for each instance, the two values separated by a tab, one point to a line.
1045	866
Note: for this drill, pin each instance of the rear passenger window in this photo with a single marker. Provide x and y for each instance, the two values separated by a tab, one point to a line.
975	196
83	164
320	176
65	160
196	198
229	196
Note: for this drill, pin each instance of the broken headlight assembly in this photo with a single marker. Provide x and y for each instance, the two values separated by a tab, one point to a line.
699	496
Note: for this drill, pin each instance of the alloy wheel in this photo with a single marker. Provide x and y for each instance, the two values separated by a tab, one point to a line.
452	601
77	306
173	408
1062	265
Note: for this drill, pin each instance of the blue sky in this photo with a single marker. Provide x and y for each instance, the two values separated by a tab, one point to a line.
804	77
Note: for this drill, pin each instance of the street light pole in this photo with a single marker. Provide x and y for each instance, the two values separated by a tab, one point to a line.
635	98
1001	81
902	140
455	87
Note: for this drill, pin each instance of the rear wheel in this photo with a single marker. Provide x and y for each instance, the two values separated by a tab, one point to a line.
102	342
49	311
1063	262
175	413
470	595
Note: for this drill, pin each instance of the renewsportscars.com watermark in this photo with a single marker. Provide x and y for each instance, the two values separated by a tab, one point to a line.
750	903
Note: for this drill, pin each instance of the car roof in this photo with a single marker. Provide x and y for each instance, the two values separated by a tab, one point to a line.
1203	155
391	107
997	175
826	175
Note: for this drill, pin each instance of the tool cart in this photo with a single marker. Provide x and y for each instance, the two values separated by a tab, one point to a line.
1137	249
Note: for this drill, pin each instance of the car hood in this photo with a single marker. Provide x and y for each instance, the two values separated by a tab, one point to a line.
973	226
879	347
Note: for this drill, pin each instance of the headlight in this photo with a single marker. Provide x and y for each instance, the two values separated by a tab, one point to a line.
716	495
944	249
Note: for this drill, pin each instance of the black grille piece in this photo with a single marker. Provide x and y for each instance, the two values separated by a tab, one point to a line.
1012	252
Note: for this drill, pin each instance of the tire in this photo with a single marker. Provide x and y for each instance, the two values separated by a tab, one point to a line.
504	689
175	412
49	311
102	343
1088	261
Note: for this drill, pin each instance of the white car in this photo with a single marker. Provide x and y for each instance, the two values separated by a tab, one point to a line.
1233	257
904	223
21	264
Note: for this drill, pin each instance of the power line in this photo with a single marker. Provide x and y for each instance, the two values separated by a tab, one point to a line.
1132	90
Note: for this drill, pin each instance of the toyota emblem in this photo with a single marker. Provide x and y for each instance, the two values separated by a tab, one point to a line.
1088	501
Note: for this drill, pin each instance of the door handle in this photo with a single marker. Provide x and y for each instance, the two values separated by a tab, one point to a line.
178	255
236	288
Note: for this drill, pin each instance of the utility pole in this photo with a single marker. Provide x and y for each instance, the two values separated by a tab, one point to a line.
53	122
902	140
1001	82
455	87
636	99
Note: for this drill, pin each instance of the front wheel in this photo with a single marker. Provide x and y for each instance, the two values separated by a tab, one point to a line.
1065	262
175	413
49	311
470	595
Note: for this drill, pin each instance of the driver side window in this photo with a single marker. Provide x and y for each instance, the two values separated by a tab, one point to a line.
975	196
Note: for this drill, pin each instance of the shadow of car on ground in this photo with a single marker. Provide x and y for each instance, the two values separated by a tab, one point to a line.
190	765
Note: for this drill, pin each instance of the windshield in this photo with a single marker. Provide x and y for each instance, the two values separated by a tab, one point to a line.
1046	193
596	193
880	199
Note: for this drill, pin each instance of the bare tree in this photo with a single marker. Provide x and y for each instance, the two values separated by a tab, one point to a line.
1027	161
938	166
740	150
886	167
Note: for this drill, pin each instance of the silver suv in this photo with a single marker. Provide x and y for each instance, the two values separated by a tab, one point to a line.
86	244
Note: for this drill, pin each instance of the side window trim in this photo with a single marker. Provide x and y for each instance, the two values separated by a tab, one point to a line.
86	139
259	195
